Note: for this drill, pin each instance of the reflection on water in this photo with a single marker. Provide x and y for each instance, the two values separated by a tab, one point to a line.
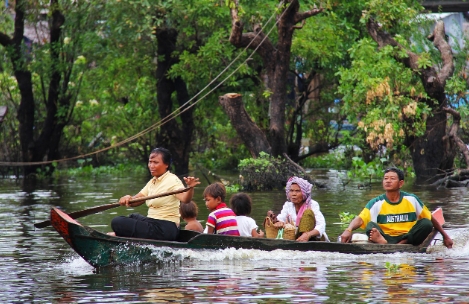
38	266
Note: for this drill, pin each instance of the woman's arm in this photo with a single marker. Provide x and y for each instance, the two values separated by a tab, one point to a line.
320	220
305	236
320	227
283	215
125	200
186	197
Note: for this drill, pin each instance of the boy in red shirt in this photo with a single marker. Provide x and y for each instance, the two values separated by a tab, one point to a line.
221	220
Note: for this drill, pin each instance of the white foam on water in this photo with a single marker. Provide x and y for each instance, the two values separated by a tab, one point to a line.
259	256
75	265
460	245
460	249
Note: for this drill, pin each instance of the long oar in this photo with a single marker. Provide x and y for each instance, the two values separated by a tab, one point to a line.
97	209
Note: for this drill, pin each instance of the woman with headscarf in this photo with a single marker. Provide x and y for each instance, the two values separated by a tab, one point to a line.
303	211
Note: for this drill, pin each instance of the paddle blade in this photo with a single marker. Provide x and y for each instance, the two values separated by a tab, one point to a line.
81	213
42	224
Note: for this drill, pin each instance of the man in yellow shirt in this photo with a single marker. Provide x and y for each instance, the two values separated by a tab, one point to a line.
396	217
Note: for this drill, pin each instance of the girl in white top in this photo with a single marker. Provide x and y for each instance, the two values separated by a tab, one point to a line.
241	205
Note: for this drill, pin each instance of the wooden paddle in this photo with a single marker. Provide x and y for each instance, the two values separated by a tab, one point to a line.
97	209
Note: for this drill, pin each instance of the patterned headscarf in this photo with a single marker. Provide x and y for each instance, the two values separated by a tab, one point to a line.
305	187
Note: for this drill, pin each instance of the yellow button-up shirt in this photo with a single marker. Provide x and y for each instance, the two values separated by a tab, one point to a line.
167	207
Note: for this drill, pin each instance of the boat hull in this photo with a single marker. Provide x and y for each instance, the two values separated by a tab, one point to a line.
100	249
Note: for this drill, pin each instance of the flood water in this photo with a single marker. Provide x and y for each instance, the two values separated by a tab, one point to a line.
38	266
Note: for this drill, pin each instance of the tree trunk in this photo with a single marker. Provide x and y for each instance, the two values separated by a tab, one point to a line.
453	134
47	142
172	135
26	119
276	61
429	152
253	137
26	108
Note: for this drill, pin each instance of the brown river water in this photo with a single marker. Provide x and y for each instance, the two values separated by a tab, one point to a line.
37	266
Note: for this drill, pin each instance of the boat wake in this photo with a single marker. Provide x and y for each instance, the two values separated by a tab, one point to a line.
460	244
175	257
75	265
438	250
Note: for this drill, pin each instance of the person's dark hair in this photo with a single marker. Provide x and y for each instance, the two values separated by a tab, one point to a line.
399	172
165	155
188	210
216	190
241	203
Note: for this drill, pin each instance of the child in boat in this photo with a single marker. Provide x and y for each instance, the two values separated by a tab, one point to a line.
241	204
189	213
221	220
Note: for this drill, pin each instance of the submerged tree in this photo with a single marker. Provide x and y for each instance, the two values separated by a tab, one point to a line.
44	72
175	134
276	60
398	86
296	65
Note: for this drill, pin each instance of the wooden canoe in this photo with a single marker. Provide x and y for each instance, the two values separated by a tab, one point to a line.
99	249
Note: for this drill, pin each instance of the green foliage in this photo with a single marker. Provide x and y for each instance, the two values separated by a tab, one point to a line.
6	20
394	16
322	42
199	69
216	144
57	69
232	188
387	98
362	170
424	61
456	87
346	217
327	160
266	172
266	94
371	90
392	268
117	98
10	96
82	162
108	51
261	163
43	173
87	170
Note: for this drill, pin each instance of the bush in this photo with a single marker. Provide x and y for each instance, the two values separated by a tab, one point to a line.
267	172
329	161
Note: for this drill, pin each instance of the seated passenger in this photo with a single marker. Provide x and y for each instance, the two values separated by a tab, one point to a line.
241	205
189	213
221	220
162	221
396	217
303	211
